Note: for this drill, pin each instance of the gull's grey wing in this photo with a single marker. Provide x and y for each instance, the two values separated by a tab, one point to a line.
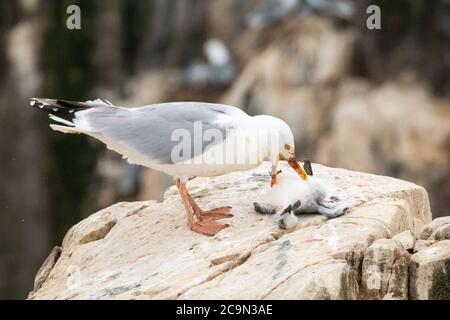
148	130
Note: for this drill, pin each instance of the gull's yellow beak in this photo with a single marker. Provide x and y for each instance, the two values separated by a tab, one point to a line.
296	166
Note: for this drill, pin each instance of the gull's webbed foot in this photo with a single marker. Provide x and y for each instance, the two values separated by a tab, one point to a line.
213	214
198	220
216	214
207	227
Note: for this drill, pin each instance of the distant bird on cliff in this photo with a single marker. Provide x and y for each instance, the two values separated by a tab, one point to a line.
182	139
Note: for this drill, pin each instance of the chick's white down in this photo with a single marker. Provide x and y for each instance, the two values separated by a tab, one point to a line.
289	189
313	194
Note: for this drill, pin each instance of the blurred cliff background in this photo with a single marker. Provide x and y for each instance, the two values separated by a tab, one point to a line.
368	100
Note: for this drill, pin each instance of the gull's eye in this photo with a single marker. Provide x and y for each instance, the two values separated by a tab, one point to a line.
287	147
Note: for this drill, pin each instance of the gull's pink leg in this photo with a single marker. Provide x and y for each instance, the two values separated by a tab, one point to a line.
207	227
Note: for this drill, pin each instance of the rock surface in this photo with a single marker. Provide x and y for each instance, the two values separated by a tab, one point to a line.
432	229
442	233
407	239
385	270
46	267
422	244
144	250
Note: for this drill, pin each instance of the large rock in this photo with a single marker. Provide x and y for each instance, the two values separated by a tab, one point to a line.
430	272
144	250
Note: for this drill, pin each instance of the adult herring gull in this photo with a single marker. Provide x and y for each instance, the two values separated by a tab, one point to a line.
182	139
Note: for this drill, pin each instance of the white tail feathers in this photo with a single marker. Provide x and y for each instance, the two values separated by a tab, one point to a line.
64	129
61	120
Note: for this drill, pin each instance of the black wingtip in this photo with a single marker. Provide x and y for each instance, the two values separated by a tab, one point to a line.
34	102
43	103
58	108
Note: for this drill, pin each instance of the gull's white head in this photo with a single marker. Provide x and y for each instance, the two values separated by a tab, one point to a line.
283	148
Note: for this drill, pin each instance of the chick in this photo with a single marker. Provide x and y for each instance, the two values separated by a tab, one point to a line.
292	196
